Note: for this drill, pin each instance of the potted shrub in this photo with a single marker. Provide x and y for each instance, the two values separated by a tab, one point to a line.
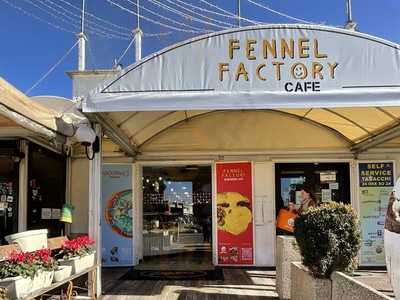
329	238
77	253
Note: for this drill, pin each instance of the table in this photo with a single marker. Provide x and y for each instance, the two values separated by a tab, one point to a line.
92	272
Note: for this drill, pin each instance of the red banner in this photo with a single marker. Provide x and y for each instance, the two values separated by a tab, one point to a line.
235	213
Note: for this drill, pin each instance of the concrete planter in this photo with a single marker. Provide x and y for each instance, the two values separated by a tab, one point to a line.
286	253
344	287
305	287
42	280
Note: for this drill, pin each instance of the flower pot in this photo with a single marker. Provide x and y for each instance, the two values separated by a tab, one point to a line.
29	241
79	264
62	273
42	280
17	287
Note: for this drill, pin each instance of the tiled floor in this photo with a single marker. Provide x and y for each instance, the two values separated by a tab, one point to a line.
238	284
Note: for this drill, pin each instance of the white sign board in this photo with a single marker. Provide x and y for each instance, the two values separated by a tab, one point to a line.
273	66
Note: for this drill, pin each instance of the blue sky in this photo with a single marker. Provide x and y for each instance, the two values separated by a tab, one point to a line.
30	47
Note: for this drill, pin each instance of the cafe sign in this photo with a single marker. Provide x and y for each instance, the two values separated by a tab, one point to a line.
274	66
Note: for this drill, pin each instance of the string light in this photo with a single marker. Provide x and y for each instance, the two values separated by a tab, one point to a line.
229	14
29	14
198	14
166	18
151	20
186	16
88	21
279	13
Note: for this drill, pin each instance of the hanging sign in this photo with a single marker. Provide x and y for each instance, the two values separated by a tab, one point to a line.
117	223
235	213
375	185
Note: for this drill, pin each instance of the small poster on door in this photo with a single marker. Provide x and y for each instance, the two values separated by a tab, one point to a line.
235	213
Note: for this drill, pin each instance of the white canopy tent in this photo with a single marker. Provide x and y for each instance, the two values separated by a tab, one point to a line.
347	81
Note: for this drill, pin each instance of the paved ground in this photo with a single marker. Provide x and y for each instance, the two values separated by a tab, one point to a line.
378	280
238	284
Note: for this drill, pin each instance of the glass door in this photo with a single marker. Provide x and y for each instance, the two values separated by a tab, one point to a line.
177	217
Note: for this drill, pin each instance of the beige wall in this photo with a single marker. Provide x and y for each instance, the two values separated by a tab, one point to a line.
230	131
80	195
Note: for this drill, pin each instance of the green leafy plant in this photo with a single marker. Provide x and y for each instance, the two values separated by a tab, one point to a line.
329	238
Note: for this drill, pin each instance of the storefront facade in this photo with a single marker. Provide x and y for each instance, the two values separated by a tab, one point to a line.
282	104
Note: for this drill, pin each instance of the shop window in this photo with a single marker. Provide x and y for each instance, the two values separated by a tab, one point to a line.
46	189
328	182
9	173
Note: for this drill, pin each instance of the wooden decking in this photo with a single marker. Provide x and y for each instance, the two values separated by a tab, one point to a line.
238	284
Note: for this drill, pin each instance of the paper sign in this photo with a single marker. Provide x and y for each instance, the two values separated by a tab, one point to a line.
3	198
10	199
326	195
327	176
55	213
46	213
334	186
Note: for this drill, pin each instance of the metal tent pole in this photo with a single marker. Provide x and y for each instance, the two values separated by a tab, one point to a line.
82	41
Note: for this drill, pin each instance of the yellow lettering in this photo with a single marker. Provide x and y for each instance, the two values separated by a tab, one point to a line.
332	69
258	72
316	50
303	48
222	67
317	70
241	71
233	45
285	48
271	47
299	71
278	65
250	49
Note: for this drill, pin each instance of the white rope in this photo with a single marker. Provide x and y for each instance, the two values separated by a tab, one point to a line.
51	69
198	14
151	20
126	50
29	14
96	17
70	20
188	17
166	18
229	14
87	21
160	34
280	13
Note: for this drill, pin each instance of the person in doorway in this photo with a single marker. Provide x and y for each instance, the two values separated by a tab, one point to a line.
308	200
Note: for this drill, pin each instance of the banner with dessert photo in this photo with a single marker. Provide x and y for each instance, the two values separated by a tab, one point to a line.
234	213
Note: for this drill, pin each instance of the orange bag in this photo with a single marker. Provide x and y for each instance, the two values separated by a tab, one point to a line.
285	220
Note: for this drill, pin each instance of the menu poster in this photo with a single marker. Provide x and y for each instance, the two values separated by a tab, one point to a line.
234	213
376	182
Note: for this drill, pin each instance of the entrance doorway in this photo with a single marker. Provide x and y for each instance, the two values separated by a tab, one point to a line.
177	218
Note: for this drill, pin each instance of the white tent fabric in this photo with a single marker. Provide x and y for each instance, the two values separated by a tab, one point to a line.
346	81
271	66
46	116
